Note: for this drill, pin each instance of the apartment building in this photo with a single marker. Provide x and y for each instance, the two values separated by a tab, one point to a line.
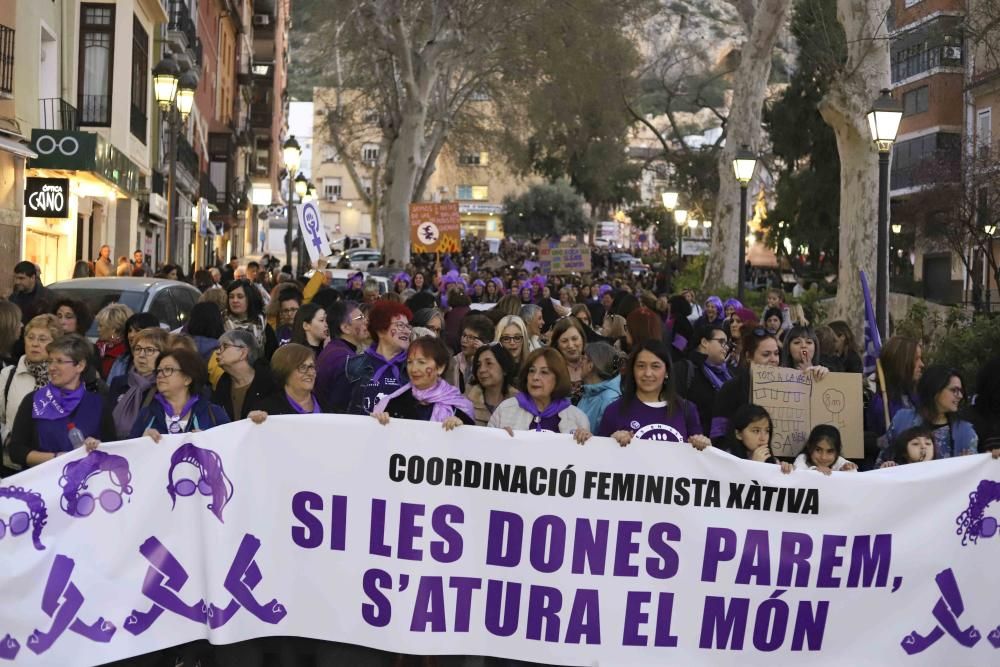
928	60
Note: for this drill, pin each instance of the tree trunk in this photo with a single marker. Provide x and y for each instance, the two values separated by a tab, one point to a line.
844	109
742	127
403	164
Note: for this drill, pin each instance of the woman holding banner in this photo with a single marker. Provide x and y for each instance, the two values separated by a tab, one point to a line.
293	367
491	381
649	408
381	369
543	403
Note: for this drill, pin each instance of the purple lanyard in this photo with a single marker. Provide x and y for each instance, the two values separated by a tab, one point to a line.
174	421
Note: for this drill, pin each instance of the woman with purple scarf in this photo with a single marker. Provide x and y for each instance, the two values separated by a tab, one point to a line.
129	393
543	403
426	397
708	372
47	415
294	369
381	369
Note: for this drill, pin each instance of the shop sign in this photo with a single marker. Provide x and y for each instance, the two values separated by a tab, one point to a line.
46	197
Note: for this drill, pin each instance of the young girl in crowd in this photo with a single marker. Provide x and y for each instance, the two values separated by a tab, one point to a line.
914	445
751	436
822	452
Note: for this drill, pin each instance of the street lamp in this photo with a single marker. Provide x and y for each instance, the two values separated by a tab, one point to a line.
883	122
174	93
670	199
897	228
680	217
744	165
291	153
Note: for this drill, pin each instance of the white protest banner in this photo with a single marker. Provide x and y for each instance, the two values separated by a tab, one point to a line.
313	233
412	539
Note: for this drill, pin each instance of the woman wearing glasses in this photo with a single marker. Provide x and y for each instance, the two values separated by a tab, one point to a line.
477	330
128	393
246	381
293	368
178	405
46	416
381	369
939	395
513	335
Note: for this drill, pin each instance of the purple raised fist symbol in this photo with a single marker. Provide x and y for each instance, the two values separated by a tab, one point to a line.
166	576
62	601
77	501
9	648
946	612
994	637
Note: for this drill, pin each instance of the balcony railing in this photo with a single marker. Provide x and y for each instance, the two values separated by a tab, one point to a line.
180	21
6	60
261	115
186	157
95	110
55	113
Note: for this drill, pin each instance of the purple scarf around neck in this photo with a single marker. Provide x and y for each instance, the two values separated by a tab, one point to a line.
444	398
168	411
385	364
301	410
717	375
554	408
52	403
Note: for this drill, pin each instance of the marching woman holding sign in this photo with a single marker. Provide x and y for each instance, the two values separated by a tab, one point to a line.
62	414
178	405
649	408
427	397
759	347
543	403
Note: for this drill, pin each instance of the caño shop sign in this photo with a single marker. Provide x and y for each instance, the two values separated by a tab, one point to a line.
46	197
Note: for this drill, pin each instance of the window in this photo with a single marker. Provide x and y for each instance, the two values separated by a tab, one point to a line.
369	153
984	132
474	192
366	184
331	189
480	159
97	51
916	101
140	80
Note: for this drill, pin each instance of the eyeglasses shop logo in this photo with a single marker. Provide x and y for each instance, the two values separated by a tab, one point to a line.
46	197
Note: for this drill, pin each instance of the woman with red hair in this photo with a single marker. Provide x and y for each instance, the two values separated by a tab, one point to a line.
381	369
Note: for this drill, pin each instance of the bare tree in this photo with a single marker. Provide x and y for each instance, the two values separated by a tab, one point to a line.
764	20
856	85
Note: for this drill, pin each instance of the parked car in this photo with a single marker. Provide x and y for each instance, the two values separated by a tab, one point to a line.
338	278
359	258
170	300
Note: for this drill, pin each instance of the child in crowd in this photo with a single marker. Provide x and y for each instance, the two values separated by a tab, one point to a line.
775	301
751	436
913	445
822	452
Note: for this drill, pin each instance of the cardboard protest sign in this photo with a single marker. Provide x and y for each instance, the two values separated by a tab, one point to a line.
558	258
797	403
435	227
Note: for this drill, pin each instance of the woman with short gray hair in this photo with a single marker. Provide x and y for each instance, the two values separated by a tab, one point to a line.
245	381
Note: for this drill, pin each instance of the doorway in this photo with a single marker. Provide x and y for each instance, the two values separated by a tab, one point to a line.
46	252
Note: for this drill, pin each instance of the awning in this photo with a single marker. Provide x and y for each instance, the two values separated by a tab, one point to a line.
17	148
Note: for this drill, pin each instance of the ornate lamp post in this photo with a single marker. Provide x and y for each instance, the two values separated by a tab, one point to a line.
744	165
883	121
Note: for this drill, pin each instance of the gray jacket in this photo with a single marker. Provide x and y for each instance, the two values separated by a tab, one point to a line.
511	415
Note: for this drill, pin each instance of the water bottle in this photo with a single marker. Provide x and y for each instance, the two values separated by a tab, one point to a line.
75	435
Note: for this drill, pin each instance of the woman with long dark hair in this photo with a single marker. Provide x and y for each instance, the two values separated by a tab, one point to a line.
649	408
245	310
902	365
758	347
310	328
845	347
492	380
939	395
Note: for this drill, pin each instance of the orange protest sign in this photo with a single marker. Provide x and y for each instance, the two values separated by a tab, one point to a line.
435	227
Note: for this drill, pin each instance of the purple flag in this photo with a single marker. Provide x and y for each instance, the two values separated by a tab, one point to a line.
873	340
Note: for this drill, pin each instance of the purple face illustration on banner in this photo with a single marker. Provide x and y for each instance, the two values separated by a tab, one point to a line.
28	511
80	502
203	475
974	522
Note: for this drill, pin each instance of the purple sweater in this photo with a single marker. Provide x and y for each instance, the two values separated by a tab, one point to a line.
649	423
330	372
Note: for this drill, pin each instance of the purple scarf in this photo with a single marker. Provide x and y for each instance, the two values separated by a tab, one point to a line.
444	398
130	402
301	410
385	364
174	421
528	404
717	375
52	403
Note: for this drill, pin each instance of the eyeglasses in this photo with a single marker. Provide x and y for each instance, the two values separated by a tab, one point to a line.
144	351
988	527
109	499
18	523
471	339
307	369
511	339
361	316
225	346
406	327
957	391
289	311
187	487
62	362
721	341
166	371
44	340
